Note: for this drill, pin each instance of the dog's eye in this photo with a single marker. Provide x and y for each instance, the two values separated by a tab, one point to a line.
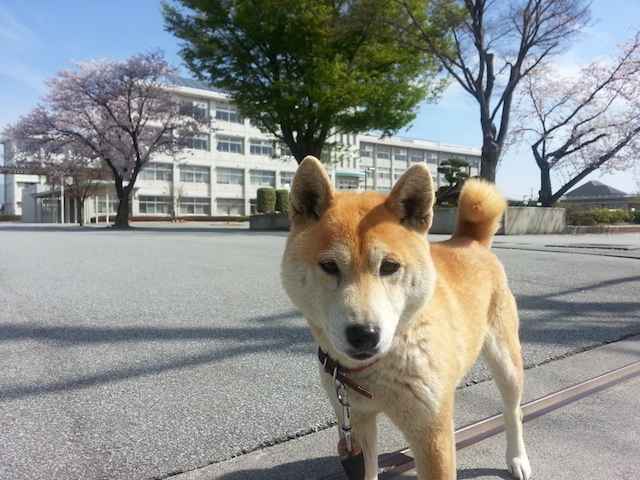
388	267
330	267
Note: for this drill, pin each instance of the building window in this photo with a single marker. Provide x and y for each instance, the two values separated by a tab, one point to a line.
227	113
194	174
197	142
398	173
263	178
400	154
384	176
347	183
198	109
366	150
230	206
416	155
195	206
284	150
383	153
230	176
474	162
286	178
154	205
432	157
157	172
230	144
261	147
107	204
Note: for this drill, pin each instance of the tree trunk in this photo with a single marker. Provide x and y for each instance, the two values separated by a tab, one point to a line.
80	210
545	195
122	216
303	150
489	160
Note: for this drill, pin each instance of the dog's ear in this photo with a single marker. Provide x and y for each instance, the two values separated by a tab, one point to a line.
311	191
412	198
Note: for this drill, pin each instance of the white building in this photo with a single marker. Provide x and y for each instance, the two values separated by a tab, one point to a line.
12	186
221	174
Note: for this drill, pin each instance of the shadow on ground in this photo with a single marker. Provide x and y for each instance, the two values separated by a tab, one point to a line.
203	230
268	335
300	469
310	469
560	319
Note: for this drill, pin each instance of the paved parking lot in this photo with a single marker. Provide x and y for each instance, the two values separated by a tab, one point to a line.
144	353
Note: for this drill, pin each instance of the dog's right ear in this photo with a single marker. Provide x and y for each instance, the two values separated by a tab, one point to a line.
311	191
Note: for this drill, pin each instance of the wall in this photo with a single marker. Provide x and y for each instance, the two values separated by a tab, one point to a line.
516	221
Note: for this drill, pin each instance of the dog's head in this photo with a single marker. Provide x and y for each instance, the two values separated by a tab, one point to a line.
357	265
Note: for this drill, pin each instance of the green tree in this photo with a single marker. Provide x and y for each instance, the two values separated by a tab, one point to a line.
303	70
454	170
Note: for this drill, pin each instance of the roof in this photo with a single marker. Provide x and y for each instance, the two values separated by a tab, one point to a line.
400	141
594	188
193	83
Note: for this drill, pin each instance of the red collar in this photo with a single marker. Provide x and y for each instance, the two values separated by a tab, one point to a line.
340	373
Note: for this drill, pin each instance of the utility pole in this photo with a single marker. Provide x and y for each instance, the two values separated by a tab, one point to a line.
62	199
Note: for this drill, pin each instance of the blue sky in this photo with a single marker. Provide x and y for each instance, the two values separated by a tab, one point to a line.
39	37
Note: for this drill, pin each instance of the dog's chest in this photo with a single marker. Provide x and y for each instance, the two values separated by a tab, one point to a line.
402	378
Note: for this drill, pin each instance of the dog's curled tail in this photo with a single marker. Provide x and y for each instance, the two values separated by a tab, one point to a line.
480	208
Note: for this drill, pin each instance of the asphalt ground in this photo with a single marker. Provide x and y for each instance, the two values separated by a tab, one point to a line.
595	438
142	354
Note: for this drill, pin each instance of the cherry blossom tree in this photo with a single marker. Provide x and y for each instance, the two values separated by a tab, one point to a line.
118	114
578	125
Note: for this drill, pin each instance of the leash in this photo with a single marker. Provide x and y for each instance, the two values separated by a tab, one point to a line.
341	374
352	459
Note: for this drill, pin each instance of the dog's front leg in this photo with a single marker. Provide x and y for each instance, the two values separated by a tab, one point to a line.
432	441
363	427
365	432
434	451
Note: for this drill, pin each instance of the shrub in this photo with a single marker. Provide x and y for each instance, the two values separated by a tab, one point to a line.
604	215
266	200
635	217
282	201
597	216
580	218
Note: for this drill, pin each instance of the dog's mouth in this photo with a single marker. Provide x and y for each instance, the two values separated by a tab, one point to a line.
363	355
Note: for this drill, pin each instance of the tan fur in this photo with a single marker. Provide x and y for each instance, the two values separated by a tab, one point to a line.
480	208
448	302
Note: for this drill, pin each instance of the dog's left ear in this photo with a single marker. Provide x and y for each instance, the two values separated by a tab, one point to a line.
412	198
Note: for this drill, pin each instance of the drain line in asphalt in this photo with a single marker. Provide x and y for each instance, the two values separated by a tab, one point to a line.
392	464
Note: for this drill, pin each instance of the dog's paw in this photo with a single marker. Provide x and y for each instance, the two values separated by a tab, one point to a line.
519	467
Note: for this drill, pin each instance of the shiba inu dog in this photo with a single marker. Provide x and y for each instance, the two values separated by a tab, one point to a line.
404	318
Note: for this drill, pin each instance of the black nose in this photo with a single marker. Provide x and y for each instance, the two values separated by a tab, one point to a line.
363	337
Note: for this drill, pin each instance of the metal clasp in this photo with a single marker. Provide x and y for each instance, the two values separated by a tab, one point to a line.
345	420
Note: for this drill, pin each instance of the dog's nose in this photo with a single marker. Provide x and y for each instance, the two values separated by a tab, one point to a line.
363	337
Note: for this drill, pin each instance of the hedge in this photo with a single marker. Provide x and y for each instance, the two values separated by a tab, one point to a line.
282	201
598	216
266	200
